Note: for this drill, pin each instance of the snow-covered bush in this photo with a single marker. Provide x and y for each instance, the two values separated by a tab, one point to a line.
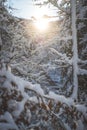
24	105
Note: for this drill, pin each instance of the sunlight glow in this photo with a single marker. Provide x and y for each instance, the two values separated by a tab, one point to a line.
41	24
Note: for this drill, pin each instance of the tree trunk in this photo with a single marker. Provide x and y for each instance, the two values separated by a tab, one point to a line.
75	50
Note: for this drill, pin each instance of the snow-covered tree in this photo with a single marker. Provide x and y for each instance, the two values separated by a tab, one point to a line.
82	47
71	13
55	68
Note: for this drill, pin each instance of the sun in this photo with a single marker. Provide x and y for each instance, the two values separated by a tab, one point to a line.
41	24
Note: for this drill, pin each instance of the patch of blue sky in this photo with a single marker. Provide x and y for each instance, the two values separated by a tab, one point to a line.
27	8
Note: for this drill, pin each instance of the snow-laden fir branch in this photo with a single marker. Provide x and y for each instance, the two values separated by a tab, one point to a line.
82	61
82	72
10	122
64	58
22	85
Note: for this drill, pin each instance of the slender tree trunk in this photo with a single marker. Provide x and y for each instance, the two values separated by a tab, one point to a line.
75	50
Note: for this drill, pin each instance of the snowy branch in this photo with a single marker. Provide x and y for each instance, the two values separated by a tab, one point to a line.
82	72
82	61
10	122
63	56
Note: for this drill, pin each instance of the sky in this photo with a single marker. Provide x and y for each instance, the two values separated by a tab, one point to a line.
27	9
